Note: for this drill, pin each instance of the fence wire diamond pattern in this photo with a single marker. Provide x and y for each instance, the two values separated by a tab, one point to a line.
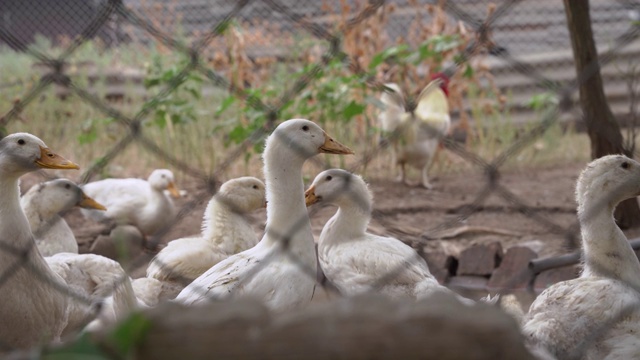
117	11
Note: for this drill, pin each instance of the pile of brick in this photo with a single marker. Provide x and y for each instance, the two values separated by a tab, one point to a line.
486	267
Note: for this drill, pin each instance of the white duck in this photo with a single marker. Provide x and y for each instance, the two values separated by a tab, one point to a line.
225	231
356	261
42	300
281	268
137	202
43	204
417	132
596	316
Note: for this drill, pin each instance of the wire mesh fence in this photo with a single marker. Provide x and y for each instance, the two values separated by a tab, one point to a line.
231	51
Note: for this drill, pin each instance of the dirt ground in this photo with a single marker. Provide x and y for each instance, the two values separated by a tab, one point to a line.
416	215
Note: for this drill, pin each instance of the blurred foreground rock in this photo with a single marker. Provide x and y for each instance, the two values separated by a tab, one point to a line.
366	327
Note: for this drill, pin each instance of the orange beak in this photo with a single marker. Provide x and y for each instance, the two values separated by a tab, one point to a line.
310	197
50	160
88	203
331	146
173	190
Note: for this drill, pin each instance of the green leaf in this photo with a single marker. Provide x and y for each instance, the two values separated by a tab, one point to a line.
424	52
195	92
87	137
168	75
195	78
542	100
238	134
468	71
352	110
151	82
89	132
459	58
225	105
393	51
176	103
445	43
258	147
129	333
222	27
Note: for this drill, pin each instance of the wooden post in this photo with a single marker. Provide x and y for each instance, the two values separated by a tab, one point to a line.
601	124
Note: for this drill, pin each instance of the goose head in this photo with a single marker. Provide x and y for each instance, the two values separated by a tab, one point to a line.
21	153
301	139
55	196
607	181
243	194
340	187
162	179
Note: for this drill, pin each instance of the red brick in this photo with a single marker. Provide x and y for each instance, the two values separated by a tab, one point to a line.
552	276
467	282
480	259
441	265
513	272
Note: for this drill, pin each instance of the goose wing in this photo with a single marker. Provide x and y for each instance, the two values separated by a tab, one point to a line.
393	108
374	262
568	317
432	108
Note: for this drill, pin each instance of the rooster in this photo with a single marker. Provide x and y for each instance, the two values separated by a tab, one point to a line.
416	133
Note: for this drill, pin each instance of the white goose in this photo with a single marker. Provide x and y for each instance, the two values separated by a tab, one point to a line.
42	205
137	202
356	261
281	268
35	302
225	231
596	316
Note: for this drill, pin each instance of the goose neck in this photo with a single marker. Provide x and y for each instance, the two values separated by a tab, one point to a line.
607	251
286	211
14	226
285	189
218	216
351	220
157	199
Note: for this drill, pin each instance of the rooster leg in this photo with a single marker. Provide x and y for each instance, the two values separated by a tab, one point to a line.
401	177
430	156
394	159
425	178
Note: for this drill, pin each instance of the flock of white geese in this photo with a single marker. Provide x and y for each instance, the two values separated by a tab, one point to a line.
49	292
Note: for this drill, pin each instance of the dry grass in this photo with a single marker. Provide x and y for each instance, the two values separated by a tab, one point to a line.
242	57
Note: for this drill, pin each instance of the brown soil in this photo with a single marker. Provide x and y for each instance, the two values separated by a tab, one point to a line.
543	215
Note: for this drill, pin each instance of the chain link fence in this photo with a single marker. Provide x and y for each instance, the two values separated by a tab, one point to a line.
231	48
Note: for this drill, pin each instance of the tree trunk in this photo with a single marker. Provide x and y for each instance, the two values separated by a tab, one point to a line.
601	124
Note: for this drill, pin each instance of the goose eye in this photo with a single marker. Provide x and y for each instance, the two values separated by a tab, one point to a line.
67	186
305	128
255	187
624	165
21	142
329	177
